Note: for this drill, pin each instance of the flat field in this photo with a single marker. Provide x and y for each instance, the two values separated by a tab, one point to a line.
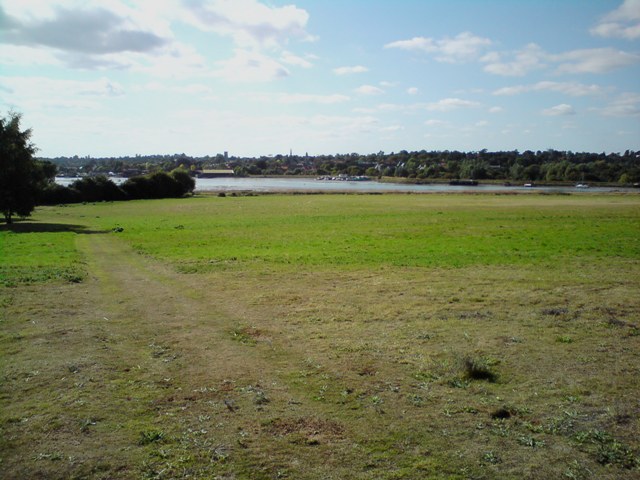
323	336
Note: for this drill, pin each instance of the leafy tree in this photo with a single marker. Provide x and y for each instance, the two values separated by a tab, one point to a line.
159	185
185	181
97	189
22	177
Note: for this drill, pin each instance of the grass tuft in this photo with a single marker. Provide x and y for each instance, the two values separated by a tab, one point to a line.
478	369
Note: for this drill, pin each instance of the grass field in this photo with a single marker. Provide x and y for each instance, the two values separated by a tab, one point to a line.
323	336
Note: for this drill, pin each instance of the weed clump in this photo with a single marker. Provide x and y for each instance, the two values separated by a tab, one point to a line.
501	414
150	436
478	369
609	451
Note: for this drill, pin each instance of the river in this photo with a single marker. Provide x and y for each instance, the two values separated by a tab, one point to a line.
305	184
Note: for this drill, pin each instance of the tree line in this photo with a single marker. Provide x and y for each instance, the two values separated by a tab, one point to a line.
528	166
26	181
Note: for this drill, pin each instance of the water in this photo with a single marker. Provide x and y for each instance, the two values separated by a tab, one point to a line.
298	184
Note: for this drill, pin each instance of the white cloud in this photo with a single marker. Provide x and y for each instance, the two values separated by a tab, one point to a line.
250	66
15	55
39	93
391	128
250	23
180	61
413	91
119	34
569	88
436	123
623	22
79	29
463	47
496	110
595	60
199	89
448	104
526	60
293	98
96	35
350	70
626	105
369	90
313	98
532	57
291	59
559	110
416	43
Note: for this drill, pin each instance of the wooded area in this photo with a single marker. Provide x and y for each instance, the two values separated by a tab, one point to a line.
548	165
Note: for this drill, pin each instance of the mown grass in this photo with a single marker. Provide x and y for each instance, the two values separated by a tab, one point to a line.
331	336
37	252
371	231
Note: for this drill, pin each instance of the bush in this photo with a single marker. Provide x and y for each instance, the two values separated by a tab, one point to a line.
159	185
54	194
97	189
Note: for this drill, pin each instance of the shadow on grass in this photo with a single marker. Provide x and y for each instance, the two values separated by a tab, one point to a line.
37	227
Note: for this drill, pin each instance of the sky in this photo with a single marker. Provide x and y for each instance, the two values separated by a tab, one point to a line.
108	78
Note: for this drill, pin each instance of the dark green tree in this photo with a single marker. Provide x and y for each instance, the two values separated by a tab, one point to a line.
22	177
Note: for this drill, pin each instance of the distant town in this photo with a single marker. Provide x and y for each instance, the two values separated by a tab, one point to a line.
547	165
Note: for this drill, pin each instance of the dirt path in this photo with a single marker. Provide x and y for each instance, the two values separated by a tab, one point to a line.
200	365
145	296
152	372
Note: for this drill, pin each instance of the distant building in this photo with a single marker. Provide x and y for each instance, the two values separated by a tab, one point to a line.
216	173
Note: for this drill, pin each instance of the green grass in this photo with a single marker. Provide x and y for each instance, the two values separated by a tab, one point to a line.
323	336
40	254
201	234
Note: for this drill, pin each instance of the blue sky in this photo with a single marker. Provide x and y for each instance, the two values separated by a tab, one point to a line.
126	77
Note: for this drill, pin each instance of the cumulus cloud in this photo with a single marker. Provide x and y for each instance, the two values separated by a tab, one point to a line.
95	35
415	43
291	59
84	30
138	35
42	92
530	58
570	88
595	60
463	47
448	104
623	22
369	90
295	98
626	105
350	70
250	66
436	123
391	128
250	23
559	110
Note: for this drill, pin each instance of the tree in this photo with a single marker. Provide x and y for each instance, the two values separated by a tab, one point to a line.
22	178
